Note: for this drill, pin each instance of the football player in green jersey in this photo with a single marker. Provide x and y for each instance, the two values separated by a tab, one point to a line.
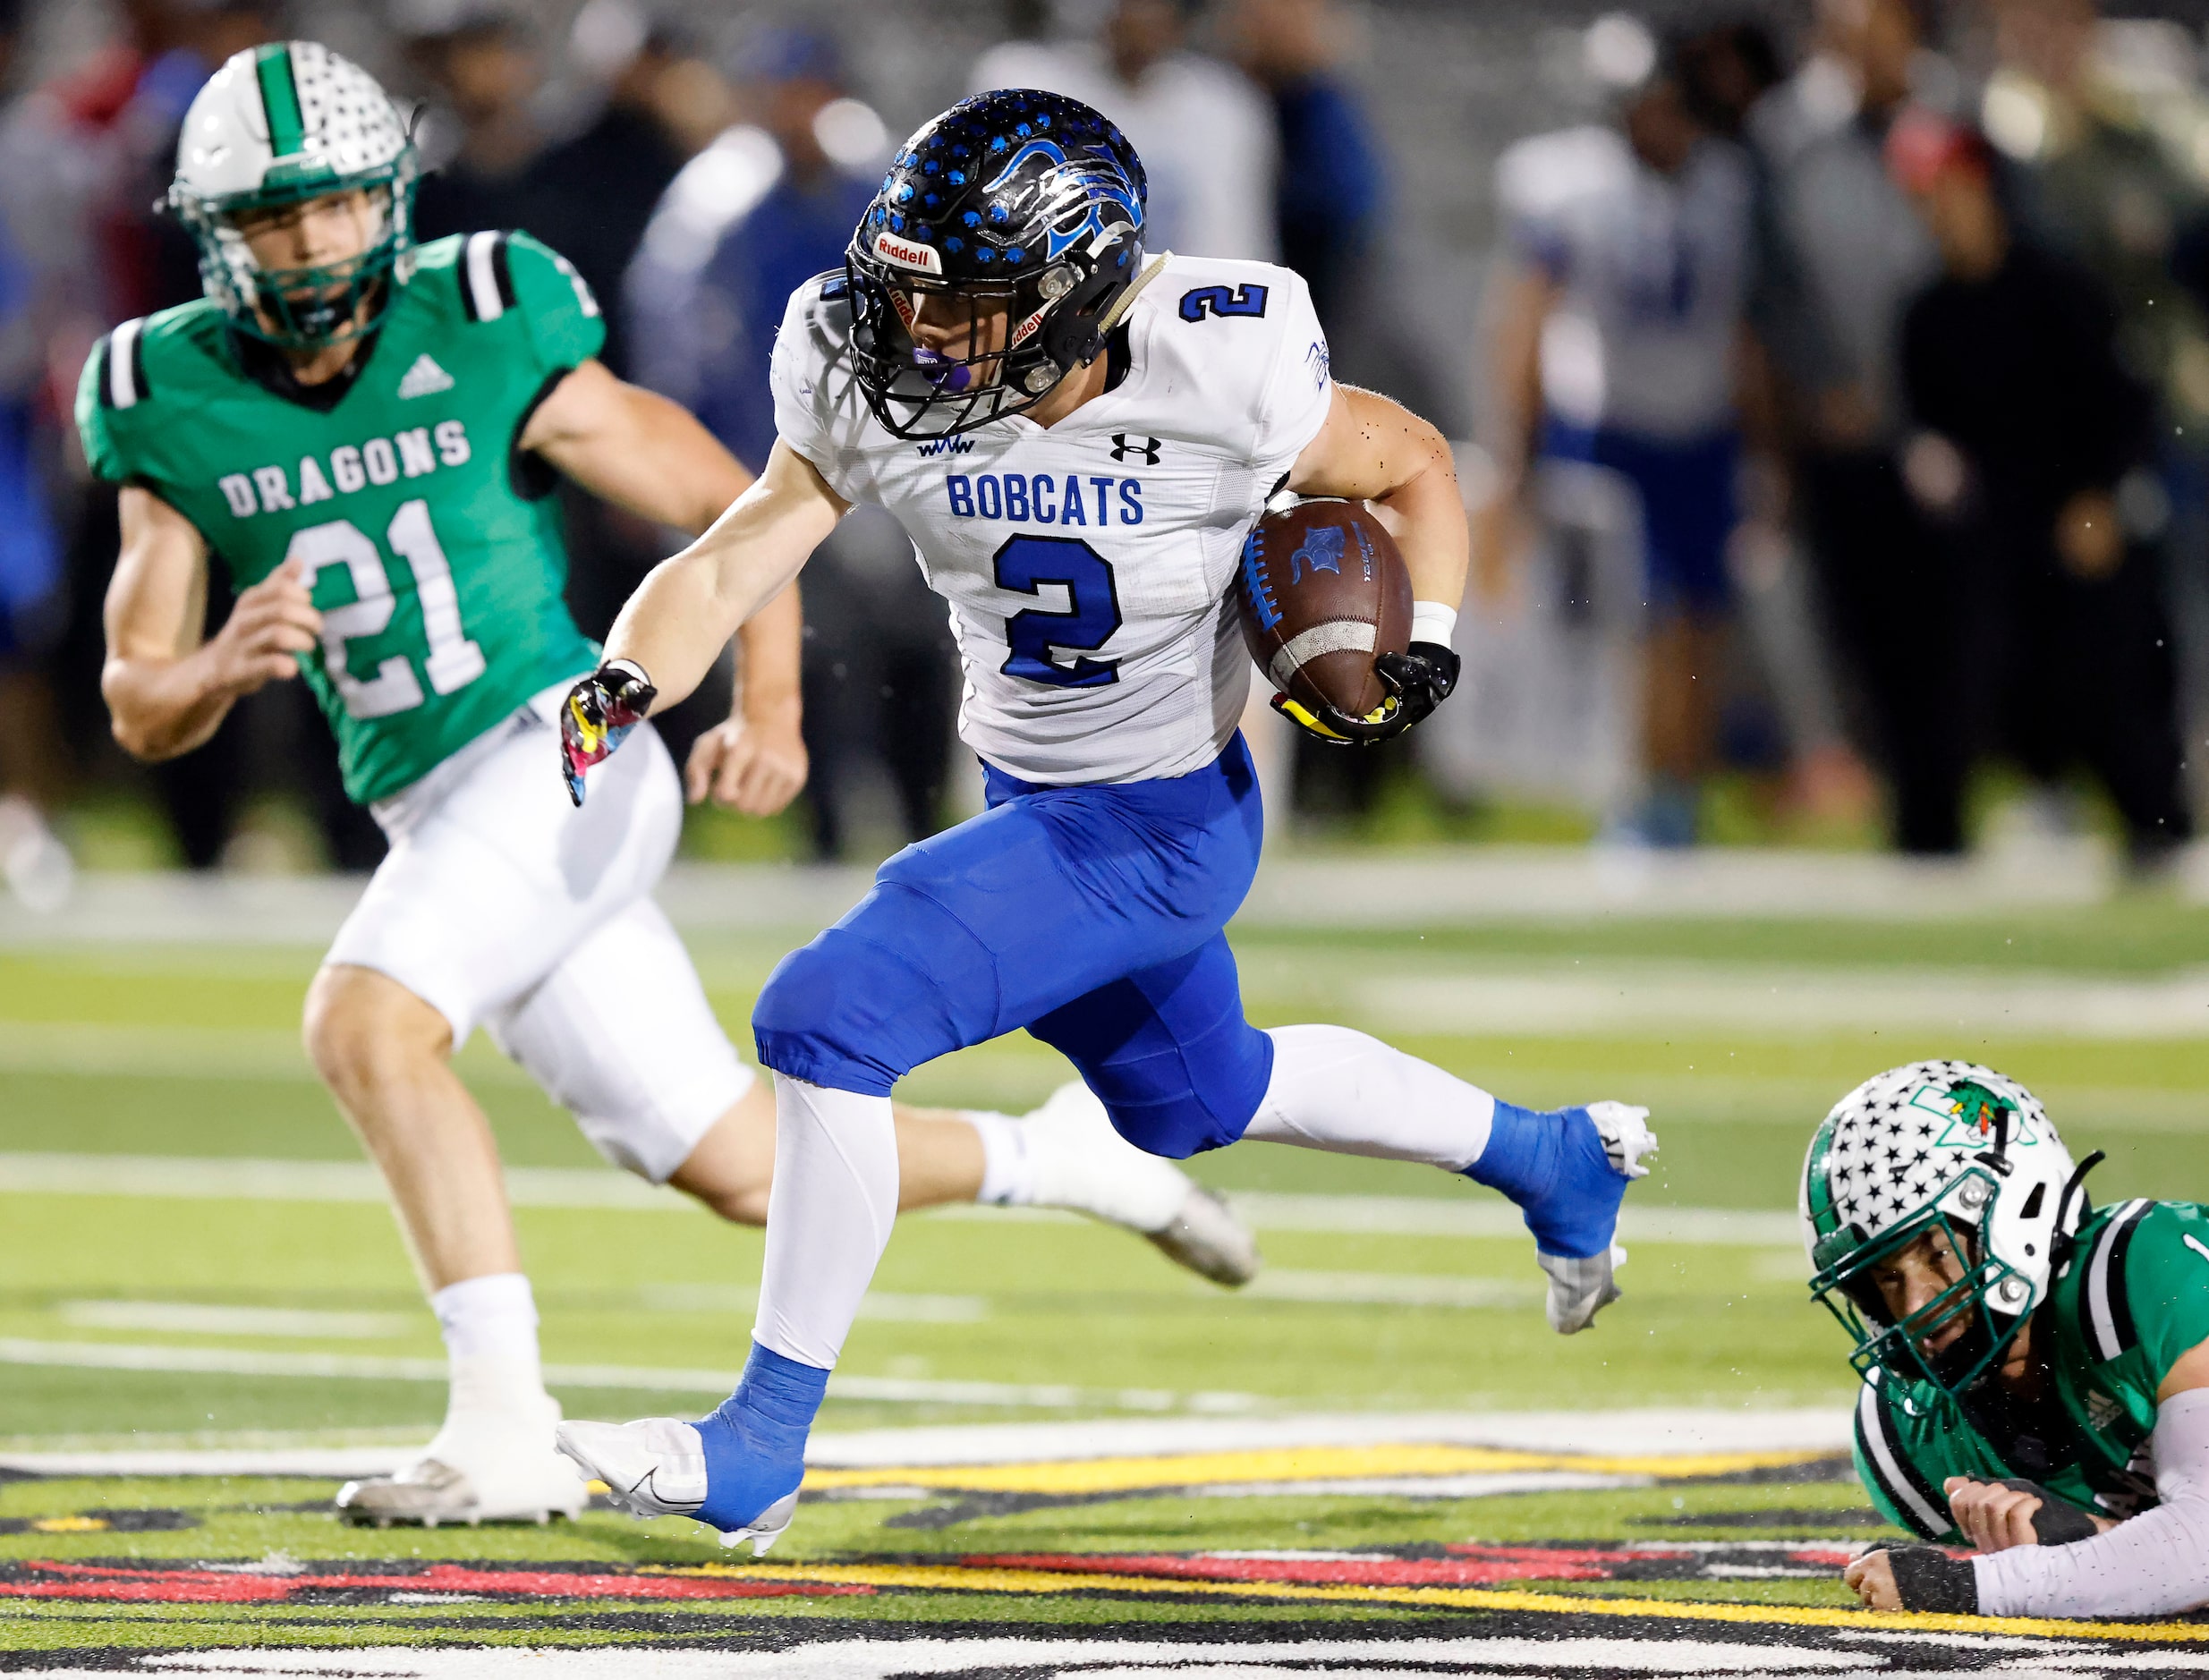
2035	1372
365	431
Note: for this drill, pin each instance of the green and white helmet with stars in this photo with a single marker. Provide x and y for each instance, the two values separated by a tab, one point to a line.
276	125
1938	1146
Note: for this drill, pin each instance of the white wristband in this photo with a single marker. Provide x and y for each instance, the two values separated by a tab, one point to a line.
1430	621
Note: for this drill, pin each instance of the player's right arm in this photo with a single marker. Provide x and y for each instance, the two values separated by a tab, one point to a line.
675	626
167	688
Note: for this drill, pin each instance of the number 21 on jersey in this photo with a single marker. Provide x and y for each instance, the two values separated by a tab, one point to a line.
451	661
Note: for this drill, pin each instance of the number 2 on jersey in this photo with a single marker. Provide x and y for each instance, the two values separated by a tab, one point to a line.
453	661
1026	564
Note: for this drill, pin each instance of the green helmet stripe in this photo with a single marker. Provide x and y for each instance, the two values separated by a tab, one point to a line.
279	97
1821	1189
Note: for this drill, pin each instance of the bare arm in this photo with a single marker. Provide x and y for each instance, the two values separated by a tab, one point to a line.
1511	374
691	603
636	449
1375	450
167	691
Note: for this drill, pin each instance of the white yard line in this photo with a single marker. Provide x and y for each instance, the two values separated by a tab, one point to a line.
1678	1431
203	1178
1754	1001
637	1378
1438	888
1039	1658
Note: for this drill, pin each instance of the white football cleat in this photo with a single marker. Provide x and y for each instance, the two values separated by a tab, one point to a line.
1079	1162
480	1468
657	1467
1580	1288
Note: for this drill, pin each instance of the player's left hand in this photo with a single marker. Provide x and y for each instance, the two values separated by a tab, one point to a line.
1420	680
597	717
1995	1515
1914	1578
755	767
1417	681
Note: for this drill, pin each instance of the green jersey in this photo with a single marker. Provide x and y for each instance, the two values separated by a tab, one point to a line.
2131	1301
431	546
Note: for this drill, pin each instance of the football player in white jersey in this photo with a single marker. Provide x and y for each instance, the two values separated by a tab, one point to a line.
1078	438
499	905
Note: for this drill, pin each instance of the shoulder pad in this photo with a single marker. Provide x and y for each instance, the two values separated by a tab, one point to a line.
122	366
2105	1305
486	277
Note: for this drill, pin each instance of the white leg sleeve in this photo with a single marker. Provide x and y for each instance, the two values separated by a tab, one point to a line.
2156	1564
1340	1090
829	1217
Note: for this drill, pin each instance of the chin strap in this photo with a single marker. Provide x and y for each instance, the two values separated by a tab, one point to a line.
1118	311
2065	1239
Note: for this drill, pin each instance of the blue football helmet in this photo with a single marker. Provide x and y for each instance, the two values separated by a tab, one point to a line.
1013	223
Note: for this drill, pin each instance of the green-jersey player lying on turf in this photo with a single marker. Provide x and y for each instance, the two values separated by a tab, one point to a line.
367	432
2035	1372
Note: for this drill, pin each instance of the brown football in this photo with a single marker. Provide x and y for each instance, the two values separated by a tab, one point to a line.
1324	591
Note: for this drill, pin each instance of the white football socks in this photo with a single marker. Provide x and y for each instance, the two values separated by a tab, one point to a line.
1340	1090
489	1326
1008	1170
829	1217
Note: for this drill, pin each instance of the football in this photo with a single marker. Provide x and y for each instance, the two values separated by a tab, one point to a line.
1323	593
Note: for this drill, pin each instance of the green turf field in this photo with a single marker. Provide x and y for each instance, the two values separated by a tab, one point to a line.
158	1309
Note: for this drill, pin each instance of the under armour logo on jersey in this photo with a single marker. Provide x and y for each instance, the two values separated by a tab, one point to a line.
1121	448
424	378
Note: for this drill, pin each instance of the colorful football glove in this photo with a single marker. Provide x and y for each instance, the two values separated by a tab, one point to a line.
1417	681
598	715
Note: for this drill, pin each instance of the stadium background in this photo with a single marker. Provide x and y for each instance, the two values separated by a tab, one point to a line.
194	1267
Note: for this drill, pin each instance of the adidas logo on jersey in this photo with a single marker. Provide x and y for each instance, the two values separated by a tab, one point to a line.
424	378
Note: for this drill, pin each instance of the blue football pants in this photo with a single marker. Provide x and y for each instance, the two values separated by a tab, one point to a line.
1090	915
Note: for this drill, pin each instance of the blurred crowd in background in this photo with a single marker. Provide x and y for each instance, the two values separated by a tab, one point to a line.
1836	408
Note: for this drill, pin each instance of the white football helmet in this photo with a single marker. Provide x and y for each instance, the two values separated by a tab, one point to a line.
1947	1145
277	125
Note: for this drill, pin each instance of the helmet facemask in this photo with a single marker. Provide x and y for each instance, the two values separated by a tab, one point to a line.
1020	337
307	308
1981	1285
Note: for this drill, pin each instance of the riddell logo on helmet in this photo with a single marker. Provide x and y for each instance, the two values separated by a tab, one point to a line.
889	248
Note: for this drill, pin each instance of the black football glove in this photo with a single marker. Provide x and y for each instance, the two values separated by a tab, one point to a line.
2058	1521
1928	1579
598	715
1417	681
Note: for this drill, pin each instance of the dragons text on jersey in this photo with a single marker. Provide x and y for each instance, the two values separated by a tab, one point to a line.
428	541
1088	562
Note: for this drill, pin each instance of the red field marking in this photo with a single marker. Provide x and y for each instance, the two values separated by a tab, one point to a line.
1361	1572
221	1586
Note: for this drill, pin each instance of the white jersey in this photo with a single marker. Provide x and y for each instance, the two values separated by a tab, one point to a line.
1653	271
1088	564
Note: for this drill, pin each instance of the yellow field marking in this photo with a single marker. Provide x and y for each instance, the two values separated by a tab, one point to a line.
952	1578
1288	1464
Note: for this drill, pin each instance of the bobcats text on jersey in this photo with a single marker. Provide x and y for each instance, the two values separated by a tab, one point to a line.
1041	499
